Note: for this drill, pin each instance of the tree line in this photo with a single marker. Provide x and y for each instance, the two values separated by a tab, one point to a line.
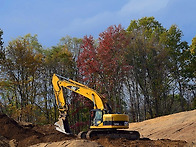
144	70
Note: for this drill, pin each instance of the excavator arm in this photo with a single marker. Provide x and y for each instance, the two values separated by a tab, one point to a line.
58	84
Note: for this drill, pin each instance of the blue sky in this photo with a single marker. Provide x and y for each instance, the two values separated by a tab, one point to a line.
53	19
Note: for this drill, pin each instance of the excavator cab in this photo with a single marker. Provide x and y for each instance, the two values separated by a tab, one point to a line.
96	117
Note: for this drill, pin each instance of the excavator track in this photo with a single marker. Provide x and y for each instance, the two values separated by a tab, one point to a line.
82	135
113	134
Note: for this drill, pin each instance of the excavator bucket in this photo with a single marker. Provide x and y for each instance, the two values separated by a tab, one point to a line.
63	126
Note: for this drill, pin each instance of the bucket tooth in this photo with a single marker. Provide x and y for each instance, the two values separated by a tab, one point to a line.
63	126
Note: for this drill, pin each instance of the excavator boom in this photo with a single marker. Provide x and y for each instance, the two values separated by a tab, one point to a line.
78	88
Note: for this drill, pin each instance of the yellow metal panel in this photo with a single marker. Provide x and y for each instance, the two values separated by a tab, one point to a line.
115	117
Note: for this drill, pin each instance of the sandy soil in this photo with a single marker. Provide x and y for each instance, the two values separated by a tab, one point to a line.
179	126
173	130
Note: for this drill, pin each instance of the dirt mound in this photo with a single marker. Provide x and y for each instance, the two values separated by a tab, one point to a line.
4	142
179	126
25	136
11	130
69	143
106	142
141	143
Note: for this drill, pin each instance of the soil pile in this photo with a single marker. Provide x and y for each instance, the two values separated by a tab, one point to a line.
106	142
28	135
179	126
69	143
4	142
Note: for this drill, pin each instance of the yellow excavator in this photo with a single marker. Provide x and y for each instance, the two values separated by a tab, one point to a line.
102	121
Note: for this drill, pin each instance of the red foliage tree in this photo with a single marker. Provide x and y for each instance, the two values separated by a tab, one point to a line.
87	61
104	65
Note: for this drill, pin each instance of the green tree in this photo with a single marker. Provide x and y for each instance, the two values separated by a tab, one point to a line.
56	60
21	67
60	60
191	70
158	57
177	60
147	58
72	44
192	66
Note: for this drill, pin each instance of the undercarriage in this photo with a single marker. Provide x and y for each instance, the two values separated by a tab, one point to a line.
109	133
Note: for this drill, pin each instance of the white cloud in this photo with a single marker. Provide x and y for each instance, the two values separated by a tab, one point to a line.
91	25
143	7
